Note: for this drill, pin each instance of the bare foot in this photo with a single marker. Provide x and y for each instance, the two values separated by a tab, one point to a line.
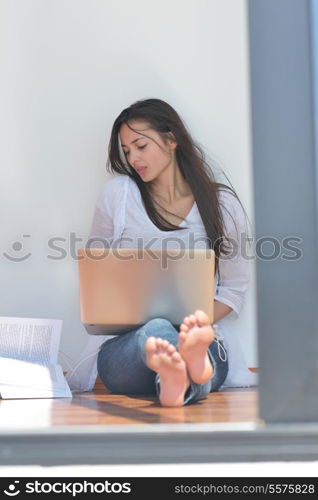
163	358
196	334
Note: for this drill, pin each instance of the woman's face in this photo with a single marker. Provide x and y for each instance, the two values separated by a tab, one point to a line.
150	155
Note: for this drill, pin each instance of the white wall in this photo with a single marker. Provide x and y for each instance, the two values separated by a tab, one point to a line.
69	68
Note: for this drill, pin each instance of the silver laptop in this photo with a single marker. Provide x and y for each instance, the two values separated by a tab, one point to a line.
121	289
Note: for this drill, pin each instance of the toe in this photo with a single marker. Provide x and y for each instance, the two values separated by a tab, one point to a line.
159	342
151	345
187	321
171	349
202	317
182	336
176	356
193	319
184	328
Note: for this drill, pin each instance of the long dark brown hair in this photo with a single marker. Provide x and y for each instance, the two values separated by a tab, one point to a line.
162	118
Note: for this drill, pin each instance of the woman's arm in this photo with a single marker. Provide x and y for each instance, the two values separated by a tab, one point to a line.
109	202
234	269
220	310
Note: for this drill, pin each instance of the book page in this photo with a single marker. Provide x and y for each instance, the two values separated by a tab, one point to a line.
30	339
22	379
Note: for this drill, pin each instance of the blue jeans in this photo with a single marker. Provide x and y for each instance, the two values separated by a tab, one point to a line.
121	362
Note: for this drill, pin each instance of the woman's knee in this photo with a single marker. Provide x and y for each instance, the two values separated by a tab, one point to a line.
159	323
160	327
130	376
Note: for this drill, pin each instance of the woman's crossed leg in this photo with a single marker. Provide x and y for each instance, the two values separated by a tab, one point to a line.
156	359
190	363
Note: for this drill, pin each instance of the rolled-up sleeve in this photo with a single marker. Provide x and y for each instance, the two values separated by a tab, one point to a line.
234	269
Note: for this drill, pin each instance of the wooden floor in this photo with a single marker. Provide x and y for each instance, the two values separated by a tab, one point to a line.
101	408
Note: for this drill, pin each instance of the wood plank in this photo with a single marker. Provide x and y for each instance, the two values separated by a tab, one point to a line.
102	408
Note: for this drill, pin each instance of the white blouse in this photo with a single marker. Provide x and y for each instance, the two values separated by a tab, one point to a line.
121	218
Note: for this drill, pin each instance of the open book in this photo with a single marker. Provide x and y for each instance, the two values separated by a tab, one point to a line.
29	359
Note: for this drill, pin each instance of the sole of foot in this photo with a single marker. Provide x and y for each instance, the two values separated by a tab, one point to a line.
163	358
196	334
